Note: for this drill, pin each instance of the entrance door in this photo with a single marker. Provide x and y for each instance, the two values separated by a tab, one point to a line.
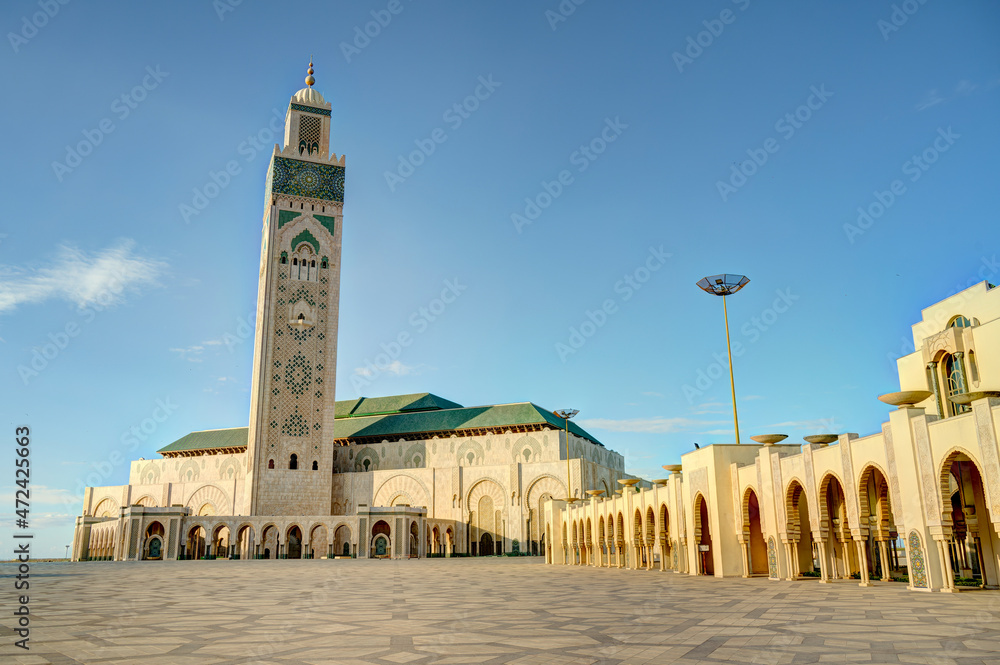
486	545
381	546
154	548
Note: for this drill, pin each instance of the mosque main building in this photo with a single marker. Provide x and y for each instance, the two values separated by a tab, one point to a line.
311	477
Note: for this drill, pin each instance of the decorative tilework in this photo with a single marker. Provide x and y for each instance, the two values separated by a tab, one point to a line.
295	425
309	109
298	375
285	216
772	559
305	236
329	223
300	178
302	294
918	570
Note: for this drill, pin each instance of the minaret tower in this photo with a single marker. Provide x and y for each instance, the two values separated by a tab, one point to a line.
290	447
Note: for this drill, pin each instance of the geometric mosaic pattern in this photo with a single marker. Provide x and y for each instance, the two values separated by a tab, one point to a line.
918	569
516	611
310	109
300	178
772	559
296	381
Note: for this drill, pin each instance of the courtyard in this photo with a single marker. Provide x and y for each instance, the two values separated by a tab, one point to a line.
489	610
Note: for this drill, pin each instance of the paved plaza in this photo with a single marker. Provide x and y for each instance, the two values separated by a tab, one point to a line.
518	611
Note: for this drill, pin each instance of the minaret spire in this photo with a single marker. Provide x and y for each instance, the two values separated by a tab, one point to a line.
309	78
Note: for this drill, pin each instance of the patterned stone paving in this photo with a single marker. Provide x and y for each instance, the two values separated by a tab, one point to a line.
517	611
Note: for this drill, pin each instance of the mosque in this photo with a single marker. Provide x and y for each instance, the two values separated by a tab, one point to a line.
312	477
418	475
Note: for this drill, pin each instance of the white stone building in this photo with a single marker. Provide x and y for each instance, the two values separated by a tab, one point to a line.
408	475
917	501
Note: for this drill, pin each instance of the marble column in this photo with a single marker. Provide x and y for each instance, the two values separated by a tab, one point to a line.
824	564
863	560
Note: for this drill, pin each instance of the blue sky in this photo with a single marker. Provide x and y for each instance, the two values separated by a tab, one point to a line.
615	155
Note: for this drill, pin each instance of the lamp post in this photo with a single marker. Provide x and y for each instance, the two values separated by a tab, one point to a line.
566	414
726	285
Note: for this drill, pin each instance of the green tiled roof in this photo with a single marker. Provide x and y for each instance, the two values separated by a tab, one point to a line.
369	406
397	416
233	437
472	417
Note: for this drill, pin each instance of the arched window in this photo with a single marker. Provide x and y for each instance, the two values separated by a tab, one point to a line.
959	322
325	263
270	463
304	264
315	465
293	462
284	258
954	375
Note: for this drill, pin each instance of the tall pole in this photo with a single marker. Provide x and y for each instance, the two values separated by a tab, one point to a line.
726	285
566	414
569	475
732	382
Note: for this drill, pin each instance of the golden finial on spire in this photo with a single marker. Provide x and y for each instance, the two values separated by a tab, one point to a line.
309	79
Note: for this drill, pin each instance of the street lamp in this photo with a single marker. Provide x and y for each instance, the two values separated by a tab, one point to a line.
566	414
726	285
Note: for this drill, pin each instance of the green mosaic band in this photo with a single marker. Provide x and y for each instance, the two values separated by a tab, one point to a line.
299	178
309	109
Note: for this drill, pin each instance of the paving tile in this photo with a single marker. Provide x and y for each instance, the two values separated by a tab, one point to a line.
487	611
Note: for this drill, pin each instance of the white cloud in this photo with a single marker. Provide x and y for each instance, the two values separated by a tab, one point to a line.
817	425
395	367
40	494
100	278
965	87
191	354
931	98
655	425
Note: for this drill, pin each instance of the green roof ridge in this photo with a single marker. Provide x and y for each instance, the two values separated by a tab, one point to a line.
413	413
